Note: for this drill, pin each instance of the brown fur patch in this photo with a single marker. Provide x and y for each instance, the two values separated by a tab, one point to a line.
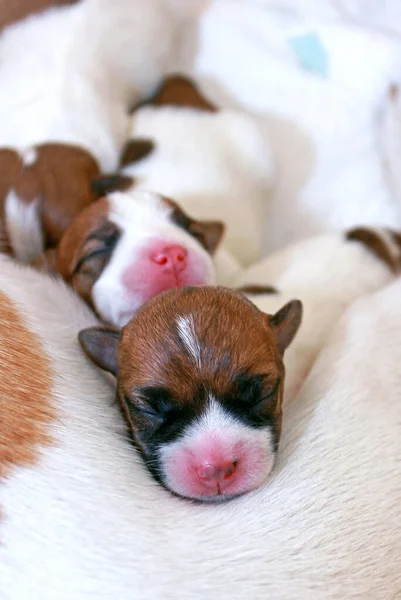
178	90
385	244
60	178
12	11
257	290
10	168
135	150
25	391
74	246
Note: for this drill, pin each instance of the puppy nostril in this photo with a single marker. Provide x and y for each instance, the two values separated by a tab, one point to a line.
231	470
161	260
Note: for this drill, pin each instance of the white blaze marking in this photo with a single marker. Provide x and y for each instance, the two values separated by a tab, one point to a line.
186	330
29	157
23	227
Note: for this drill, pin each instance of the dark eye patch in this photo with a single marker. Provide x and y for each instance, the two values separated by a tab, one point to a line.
98	248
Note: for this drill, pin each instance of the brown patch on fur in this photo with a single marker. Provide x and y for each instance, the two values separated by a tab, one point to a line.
26	378
385	244
106	184
257	290
12	11
136	150
84	236
178	90
10	167
233	336
60	179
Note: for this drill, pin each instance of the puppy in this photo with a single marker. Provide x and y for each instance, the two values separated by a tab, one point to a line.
87	62
200	379
130	246
215	163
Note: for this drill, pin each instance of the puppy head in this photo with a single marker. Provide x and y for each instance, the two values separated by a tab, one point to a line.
200	380
130	246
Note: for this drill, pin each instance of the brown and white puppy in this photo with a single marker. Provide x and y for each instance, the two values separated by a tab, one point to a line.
200	379
126	248
41	191
216	163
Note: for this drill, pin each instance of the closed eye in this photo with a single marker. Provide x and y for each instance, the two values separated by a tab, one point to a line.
90	256
270	394
99	244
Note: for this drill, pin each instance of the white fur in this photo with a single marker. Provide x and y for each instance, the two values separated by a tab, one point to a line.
215	165
391	142
186	330
141	216
24	227
70	73
217	424
323	130
327	273
87	520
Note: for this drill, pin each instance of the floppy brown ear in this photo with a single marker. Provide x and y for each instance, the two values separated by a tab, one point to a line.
100	345
285	323
47	262
106	184
209	233
135	150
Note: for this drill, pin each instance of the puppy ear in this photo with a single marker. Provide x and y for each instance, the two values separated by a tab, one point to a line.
47	262
209	233
100	345
135	150
106	184
285	323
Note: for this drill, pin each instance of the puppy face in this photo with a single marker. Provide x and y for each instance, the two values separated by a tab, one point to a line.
125	249
200	380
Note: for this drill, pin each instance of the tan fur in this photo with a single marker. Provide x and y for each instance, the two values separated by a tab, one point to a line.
25	390
12	11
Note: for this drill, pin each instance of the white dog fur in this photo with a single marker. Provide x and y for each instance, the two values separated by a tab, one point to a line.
86	520
327	273
70	73
214	164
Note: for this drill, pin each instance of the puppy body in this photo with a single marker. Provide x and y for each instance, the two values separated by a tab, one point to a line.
215	163
327	273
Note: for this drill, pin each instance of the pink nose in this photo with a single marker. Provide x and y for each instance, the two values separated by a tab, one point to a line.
171	258
217	475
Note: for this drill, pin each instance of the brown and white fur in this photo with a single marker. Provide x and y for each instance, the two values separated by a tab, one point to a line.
80	516
192	366
215	163
129	246
69	72
200	379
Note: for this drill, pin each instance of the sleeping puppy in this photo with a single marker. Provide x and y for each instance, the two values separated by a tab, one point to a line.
200	380
200	371
214	163
129	246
